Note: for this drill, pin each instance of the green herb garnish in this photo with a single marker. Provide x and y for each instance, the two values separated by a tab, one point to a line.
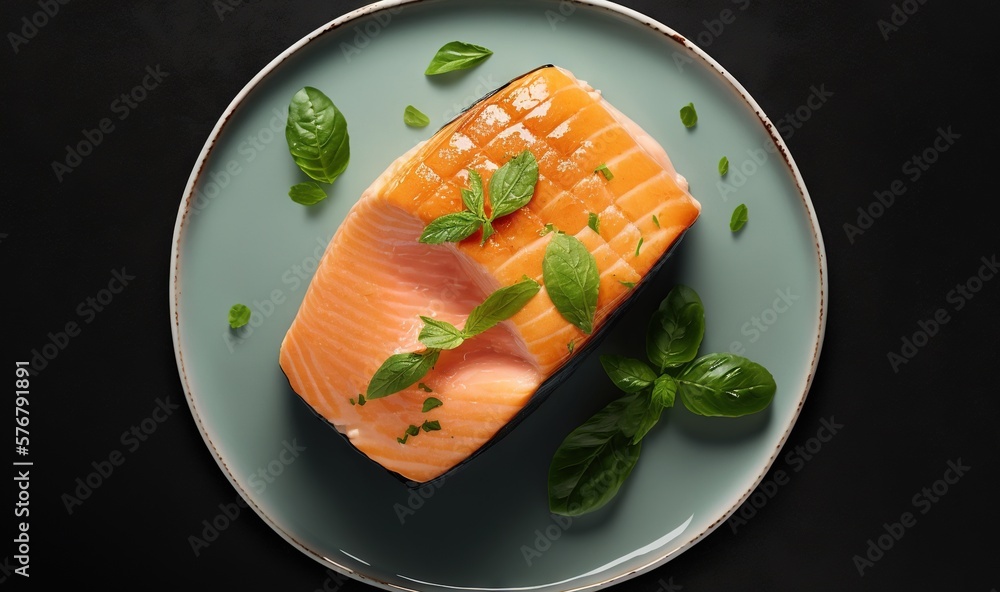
547	229
457	56
307	194
628	285
723	166
412	430
656	221
413	117
740	217
638	246
402	370
352	401
431	403
571	346
604	170
511	188
361	400
572	280
689	117
594	222
430	426
403	439
239	315
595	459
424	388
317	135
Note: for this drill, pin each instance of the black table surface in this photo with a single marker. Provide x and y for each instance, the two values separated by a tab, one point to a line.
912	467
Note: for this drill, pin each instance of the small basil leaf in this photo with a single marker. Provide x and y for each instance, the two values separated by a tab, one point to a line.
571	280
307	194
689	117
723	166
641	414
450	228
499	306
664	391
399	372
440	335
456	56
739	218
592	462
239	315
317	136
473	196
594	222
414	117
513	184
725	385
431	403
676	329
628	374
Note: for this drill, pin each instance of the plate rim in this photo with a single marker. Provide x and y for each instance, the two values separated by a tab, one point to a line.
184	210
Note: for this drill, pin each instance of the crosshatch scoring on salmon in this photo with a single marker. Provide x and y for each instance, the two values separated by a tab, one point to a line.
376	280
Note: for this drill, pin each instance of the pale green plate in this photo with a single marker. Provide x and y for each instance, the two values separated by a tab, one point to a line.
240	239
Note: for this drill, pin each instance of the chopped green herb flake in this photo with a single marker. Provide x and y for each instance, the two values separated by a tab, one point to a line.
431	403
689	117
656	221
239	315
431	426
413	117
594	222
412	430
628	285
604	170
352	400
638	246
740	217
571	346
424	388
403	439
548	228
361	400
723	166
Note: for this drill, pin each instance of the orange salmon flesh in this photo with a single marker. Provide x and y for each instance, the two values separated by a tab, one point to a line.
375	279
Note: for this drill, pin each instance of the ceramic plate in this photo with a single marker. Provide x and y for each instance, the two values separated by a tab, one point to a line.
487	527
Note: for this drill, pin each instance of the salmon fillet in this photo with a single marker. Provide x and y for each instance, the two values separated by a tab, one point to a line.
375	279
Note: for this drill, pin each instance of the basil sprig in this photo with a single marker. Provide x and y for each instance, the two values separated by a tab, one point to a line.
457	55
402	370
592	463
316	132
572	280
511	188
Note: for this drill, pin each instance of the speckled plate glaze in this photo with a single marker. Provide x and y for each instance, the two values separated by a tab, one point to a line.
239	238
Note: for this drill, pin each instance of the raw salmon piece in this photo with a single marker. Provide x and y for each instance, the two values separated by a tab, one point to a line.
376	280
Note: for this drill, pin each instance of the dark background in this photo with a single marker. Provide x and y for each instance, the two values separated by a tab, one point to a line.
892	91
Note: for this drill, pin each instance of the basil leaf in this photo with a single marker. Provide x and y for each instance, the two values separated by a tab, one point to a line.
725	385
239	315
513	184
457	56
399	372
664	391
591	464
473	196
440	335
430	426
571	280
739	218
450	228
317	137
604	170
413	117
594	222
639	416
723	166
431	403
689	117
307	194
488	231
676	329
499	306
628	374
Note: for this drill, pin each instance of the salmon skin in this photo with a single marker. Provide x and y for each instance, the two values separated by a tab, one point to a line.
376	280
